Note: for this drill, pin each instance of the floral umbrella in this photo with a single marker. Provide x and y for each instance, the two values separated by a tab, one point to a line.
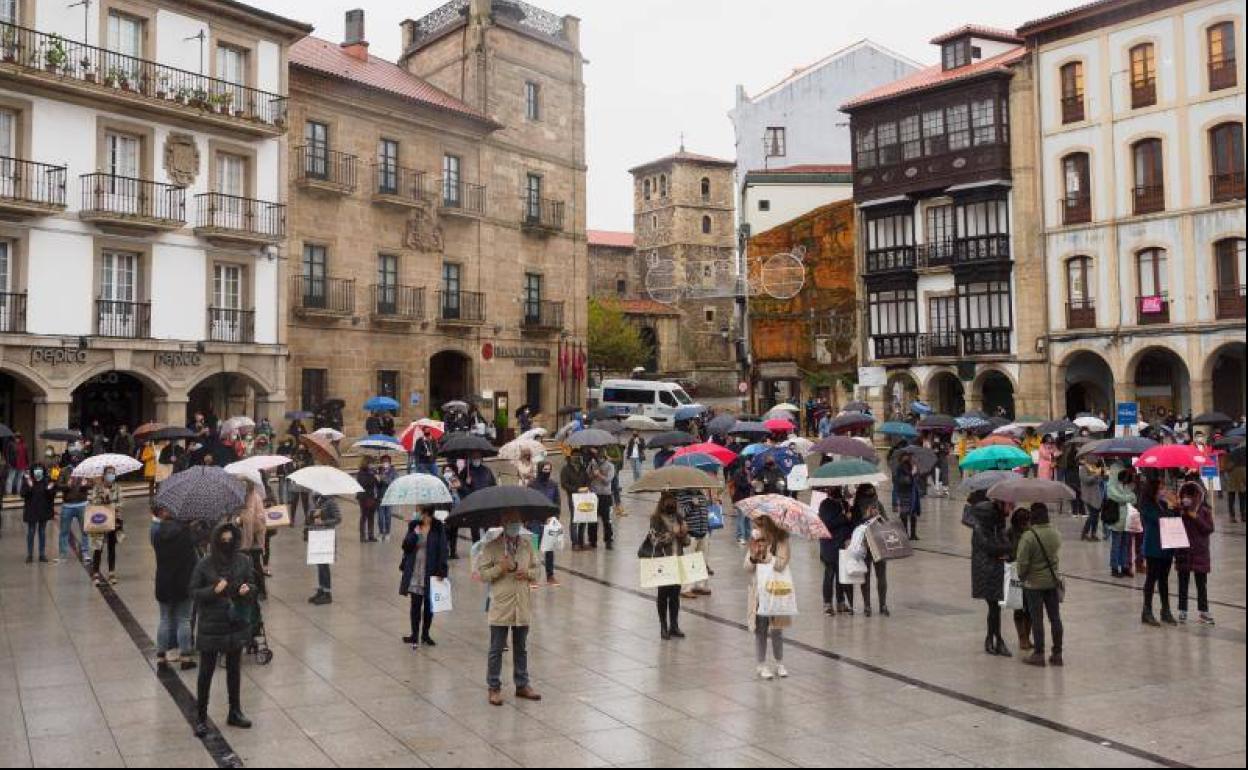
786	513
93	467
417	489
512	450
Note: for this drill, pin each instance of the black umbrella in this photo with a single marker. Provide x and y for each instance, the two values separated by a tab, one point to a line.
924	458
201	493
985	480
1057	427
61	434
5	432
171	433
591	437
1212	418
749	428
564	411
670	439
463	444
857	406
486	507
721	424
1126	446
454	406
299	414
610	426
852	421
845	447
938	422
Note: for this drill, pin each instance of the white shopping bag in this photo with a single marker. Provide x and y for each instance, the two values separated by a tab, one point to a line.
776	597
852	568
322	546
552	536
798	478
584	508
1135	524
440	595
1013	588
693	568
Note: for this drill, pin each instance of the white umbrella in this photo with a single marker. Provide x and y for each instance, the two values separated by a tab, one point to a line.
641	422
1093	424
417	489
258	463
249	474
93	467
236	425
329	434
799	444
534	434
512	449
1013	429
326	480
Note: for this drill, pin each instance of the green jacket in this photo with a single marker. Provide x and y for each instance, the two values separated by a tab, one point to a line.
1033	570
1121	494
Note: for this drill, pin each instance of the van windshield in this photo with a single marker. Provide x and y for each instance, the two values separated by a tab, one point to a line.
682	396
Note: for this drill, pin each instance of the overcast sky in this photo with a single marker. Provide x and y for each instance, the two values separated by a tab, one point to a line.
661	67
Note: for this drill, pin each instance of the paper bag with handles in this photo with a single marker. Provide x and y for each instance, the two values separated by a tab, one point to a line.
99	520
277	516
584	508
888	540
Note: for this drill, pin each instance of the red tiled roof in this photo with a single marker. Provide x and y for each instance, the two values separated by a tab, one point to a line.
641	307
934	76
685	157
975	30
610	238
808	168
324	57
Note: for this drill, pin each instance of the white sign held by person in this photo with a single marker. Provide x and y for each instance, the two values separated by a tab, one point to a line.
322	544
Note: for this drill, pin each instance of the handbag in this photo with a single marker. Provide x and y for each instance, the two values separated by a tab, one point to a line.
693	568
99	520
888	540
776	597
1061	584
1174	534
715	517
1135	524
584	508
440	595
1013	588
659	572
851	568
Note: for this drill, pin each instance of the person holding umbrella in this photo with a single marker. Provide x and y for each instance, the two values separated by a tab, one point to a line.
668	536
508	565
866	508
252	530
105	492
386	475
425	556
990	548
601	473
635	451
473	477
1156	503
769	544
1092	495
1047	459
324	514
835	514
368	478
906	494
38	493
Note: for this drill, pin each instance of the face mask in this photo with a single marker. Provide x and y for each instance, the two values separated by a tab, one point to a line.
226	546
110	477
1187	502
512	530
38	474
476	463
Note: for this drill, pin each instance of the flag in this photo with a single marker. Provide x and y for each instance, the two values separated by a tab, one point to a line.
563	360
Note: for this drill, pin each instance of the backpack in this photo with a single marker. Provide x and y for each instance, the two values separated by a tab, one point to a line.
1111	511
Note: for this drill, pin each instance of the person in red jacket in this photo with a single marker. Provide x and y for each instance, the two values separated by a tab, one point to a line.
1195	560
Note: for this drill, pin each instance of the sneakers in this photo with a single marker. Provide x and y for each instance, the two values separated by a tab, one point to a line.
765	673
321	599
781	671
1206	619
1183	617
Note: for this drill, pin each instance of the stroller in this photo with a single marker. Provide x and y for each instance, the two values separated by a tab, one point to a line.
258	647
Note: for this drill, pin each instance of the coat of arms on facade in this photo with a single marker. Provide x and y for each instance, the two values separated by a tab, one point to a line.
181	159
423	232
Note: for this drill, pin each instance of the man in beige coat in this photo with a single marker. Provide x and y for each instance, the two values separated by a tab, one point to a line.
508	565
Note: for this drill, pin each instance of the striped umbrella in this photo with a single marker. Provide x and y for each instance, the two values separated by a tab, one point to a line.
201	493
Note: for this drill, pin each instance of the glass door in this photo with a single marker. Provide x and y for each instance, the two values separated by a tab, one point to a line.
232	68
314	289
450	291
8	300
125	40
227	303
232	209
118	314
10	176
123	189
387	284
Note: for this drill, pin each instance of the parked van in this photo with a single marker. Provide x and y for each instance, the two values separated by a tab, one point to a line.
656	400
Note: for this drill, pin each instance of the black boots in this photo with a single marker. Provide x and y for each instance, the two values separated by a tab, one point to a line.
236	719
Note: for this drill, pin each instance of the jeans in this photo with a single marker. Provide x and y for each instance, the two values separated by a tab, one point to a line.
12	484
762	630
31	528
1094	517
70	512
324	581
744	525
1038	604
233	679
174	631
519	656
1158	581
1202	589
636	466
1119	551
384	516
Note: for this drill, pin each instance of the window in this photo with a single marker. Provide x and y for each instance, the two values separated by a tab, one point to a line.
893	313
387	167
1072	92
886	135
314	288
1078	280
1143	76
314	389
532	101
387	284
934	142
985	305
708	314
706	225
8	11
621	287
1149	193
654	221
775	142
667	398
645	189
533	197
663	186
983	218
123	190
983	120
865	145
388	383
11	309
940	226
1152	273
232	68
119	293
956	54
125	37
890	230
1222	72
450	181
911	145
957	126
1231	268
764	205
533	391
227	287
1076	193
450	290
1226	153
706	188
532	298
316	149
942	315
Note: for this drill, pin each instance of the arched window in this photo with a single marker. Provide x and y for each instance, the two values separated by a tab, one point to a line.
1231	268
645	189
1072	92
706	225
1226	160
1221	37
1076	189
706	188
1080	310
663	186
1153	304
1143	76
1149	193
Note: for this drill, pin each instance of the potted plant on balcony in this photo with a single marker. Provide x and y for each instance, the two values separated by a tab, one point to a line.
162	86
114	77
55	57
8	42
223	101
88	72
199	98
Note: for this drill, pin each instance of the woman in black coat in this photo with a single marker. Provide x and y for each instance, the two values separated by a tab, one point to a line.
174	544
223	587
990	549
425	544
38	506
835	514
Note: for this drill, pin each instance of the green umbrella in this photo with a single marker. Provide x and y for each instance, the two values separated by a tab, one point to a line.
846	473
995	458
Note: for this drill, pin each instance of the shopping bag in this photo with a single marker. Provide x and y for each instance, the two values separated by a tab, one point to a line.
584	508
693	568
888	540
99	520
322	546
715	517
440	595
659	572
776	598
858	542
552	537
852	568
1135	524
163	472
277	516
798	478
1173	534
1013	588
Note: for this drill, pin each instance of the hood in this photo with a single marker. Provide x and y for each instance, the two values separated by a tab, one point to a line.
1196	489
985	512
169	530
216	533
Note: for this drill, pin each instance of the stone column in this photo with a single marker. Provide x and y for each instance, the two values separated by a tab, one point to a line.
50	412
171	410
274	407
1201	396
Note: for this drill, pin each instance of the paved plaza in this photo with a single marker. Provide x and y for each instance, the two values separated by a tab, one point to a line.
78	686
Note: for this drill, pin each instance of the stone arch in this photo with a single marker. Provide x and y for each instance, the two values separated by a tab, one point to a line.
21	392
945	392
451	377
1087	383
114	397
236	393
1161	379
995	388
900	391
157	383
1223	377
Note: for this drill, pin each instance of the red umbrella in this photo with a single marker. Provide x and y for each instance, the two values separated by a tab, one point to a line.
998	441
779	425
724	455
1166	456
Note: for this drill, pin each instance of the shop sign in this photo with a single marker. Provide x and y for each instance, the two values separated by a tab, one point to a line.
175	360
58	356
524	356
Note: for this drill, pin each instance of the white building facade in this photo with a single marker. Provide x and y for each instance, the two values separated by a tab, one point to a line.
1141	118
771	198
142	216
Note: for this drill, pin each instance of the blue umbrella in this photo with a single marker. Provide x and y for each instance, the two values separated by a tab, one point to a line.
785	459
381	404
688	412
699	460
898	429
920	408
754	449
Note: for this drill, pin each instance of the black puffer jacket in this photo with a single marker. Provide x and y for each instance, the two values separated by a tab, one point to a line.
225	619
175	560
990	547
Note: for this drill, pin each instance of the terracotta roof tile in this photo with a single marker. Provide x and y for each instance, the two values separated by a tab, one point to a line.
322	56
685	157
934	76
610	238
976	30
641	307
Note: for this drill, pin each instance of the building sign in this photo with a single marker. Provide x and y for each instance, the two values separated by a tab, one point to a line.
872	376
57	356
1128	416
1152	305
523	356
175	360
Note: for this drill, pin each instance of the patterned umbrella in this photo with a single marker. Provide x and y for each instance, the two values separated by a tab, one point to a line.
787	514
512	449
534	434
93	467
322	451
1021	490
995	458
326	481
329	434
201	493
845	447
417	489
972	422
723	455
846	473
671	478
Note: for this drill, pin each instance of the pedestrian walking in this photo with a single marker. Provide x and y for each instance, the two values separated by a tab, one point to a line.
508	565
635	451
386	475
906	494
1196	560
105	492
667	536
1092	495
325	514
990	549
174	546
425	556
1156	503
866	509
1119	496
224	591
741	486
835	514
74	493
1039	565
38	493
768	545
368	500
546	485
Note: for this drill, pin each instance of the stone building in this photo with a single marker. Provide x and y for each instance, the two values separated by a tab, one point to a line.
685	235
438	214
142	211
617	274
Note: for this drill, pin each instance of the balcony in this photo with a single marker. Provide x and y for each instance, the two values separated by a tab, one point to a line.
1226	187
108	199
402	187
319	168
1143	93
230	218
397	304
320	297
891	259
462	198
1148	199
1076	209
71	67
231	325
1153	310
1222	73
939	345
986	342
1072	109
461	308
12	313
983	248
542	215
1230	302
1081	314
128	320
28	188
936	255
894	345
542	315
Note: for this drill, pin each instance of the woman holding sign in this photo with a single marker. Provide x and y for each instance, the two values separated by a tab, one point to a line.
769	550
668	537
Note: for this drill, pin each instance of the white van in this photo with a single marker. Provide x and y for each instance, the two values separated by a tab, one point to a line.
656	400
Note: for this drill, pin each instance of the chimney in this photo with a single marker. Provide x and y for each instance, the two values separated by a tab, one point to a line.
355	44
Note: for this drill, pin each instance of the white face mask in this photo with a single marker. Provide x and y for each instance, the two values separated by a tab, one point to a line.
512	530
